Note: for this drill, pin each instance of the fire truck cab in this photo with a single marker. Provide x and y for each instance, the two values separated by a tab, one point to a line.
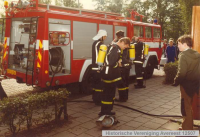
47	45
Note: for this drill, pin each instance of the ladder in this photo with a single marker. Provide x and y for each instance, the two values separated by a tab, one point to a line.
31	48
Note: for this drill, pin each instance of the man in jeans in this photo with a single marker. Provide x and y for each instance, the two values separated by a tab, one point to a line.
187	77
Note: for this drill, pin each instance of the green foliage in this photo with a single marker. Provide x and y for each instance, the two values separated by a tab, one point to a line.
186	12
115	6
69	3
170	70
45	1
20	110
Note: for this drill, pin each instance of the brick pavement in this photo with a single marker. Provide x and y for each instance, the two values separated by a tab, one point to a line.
156	99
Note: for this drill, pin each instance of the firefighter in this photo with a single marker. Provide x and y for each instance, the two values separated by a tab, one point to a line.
123	87
2	92
96	84
119	35
138	62
111	75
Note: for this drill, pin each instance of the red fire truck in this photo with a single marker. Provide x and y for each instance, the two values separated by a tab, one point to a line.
47	45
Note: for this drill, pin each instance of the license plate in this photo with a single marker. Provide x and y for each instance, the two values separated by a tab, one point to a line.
12	72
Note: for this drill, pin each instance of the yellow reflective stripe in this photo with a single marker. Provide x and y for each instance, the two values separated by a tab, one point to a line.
115	65
121	88
98	90
114	98
38	65
127	87
106	103
139	78
5	46
39	56
138	62
111	81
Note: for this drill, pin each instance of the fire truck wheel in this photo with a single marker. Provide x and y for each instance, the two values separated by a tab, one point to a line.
149	69
86	84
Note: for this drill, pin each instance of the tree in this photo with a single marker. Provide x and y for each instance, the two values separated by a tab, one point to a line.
58	3
72	3
186	12
45	1
101	4
68	3
115	6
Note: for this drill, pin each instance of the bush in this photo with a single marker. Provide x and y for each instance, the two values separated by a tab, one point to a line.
170	70
18	111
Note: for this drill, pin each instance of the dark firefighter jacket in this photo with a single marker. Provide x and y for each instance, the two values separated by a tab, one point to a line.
138	51
188	73
111	72
95	51
125	59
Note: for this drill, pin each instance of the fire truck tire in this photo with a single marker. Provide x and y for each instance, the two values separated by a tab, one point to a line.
86	84
149	69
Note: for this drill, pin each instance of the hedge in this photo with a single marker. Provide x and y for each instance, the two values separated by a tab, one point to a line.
170	70
18	111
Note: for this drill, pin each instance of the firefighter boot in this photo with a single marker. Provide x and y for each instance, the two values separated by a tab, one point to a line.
140	84
106	110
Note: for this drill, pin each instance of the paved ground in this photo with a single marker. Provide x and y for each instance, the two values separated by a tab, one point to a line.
156	99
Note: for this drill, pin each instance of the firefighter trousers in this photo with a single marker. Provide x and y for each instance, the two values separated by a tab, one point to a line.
139	75
108	95
97	87
123	87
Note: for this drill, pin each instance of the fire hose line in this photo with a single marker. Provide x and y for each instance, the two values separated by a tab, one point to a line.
133	109
57	56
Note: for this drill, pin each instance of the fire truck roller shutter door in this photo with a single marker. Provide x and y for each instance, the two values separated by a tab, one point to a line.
109	30
83	32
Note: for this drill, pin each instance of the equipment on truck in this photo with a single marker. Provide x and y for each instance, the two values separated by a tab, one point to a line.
101	55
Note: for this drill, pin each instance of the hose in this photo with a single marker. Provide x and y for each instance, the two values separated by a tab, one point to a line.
58	57
133	109
139	111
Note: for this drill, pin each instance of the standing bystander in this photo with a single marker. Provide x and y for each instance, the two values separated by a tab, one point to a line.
187	77
171	52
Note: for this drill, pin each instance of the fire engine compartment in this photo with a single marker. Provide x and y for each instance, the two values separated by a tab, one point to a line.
23	33
59	47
